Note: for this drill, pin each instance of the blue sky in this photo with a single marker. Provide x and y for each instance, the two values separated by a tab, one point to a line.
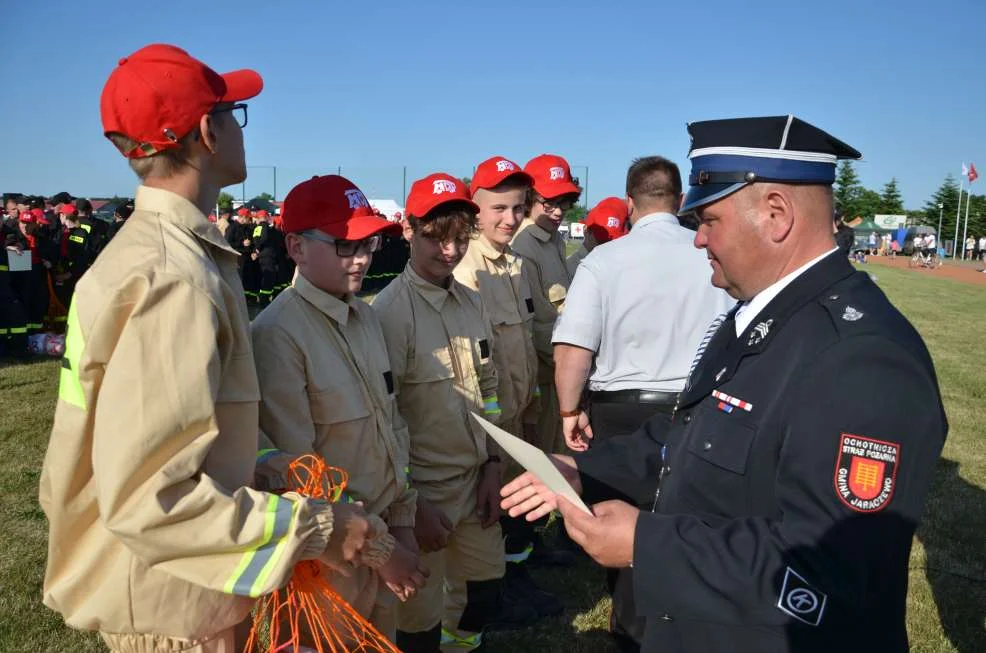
375	86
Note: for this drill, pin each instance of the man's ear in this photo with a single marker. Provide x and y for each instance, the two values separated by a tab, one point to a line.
408	231
208	133
630	207
295	247
779	209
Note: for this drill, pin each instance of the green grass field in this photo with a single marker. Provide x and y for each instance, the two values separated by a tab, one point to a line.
947	601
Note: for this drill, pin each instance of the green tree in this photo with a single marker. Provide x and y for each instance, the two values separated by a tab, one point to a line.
265	196
847	191
225	201
947	196
868	203
575	214
891	202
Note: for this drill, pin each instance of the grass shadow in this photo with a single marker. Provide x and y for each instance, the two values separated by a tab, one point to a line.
954	521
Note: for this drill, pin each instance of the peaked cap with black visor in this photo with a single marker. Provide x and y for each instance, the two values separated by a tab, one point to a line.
727	155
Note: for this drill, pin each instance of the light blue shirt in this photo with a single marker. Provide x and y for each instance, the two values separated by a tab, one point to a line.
642	303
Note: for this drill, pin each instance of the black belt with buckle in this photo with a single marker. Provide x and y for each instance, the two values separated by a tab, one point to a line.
634	397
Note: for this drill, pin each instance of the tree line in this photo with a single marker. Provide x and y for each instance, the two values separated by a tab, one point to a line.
853	200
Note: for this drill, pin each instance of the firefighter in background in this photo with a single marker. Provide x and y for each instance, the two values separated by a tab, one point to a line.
13	317
285	264
267	242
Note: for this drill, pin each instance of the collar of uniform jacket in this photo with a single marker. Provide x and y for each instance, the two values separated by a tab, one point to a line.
540	233
749	310
434	295
181	212
487	250
336	309
729	353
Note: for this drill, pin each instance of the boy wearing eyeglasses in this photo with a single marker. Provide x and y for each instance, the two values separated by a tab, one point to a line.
440	344
157	537
543	250
325	380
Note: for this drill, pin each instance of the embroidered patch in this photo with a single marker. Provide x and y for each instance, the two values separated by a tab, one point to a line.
865	472
800	600
851	314
484	348
530	305
388	378
759	332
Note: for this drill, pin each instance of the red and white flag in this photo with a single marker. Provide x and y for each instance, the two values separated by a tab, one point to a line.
972	174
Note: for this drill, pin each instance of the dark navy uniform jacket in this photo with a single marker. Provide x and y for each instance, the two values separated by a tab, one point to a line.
794	475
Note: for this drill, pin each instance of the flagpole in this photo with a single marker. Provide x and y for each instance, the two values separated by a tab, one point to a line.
965	229
958	218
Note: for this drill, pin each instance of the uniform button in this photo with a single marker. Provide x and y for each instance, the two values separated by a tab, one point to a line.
706	445
833	297
687	418
666	618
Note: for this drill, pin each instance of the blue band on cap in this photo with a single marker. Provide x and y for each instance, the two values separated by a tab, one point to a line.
707	194
776	169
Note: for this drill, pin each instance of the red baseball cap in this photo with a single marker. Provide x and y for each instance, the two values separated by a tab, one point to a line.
435	190
551	175
262	213
157	96
243	211
607	220
334	205
26	217
491	173
67	209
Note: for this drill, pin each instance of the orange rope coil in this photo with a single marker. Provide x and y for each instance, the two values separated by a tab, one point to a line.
308	612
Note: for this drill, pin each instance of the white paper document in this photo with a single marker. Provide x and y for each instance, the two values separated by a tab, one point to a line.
18	262
533	460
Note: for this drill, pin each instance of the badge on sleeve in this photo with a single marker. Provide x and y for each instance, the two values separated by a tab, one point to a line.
865	472
800	600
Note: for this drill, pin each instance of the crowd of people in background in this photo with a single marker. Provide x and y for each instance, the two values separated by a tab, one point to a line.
49	243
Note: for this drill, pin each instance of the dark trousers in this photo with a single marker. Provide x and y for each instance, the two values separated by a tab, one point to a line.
268	279
614	420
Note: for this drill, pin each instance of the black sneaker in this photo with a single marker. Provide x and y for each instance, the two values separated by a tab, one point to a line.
519	587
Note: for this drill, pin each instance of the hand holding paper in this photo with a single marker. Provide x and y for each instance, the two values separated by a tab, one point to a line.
533	493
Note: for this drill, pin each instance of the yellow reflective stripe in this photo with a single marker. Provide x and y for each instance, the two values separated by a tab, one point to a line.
264	454
69	385
17	330
519	557
77	239
86	227
4	268
257	563
469	642
491	405
258	231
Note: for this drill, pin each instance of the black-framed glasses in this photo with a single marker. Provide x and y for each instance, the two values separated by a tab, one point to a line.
550	205
347	248
239	113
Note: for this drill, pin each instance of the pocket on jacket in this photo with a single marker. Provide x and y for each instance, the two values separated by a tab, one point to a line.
342	403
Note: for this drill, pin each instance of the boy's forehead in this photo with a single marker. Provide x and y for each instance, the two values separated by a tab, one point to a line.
491	196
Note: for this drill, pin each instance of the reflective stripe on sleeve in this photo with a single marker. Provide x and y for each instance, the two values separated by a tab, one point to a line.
69	385
256	565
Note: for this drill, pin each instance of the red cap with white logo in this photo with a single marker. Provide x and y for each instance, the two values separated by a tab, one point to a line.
335	206
493	171
433	191
607	220
552	176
